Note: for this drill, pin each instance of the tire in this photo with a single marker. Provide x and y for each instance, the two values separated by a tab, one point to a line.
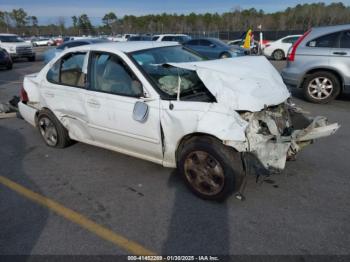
321	87
52	131
278	55
210	169
224	55
31	59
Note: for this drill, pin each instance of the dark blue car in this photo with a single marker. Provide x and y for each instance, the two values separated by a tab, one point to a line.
213	48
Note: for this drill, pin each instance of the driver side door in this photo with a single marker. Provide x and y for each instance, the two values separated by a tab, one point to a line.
113	90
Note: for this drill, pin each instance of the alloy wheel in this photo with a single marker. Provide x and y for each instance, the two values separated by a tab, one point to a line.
320	88
204	173
48	131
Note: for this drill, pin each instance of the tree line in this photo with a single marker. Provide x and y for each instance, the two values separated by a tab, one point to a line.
300	17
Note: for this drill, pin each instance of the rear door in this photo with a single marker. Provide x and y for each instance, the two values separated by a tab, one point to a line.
340	56
63	90
317	51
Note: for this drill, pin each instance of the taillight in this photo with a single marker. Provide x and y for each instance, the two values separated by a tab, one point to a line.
24	96
291	55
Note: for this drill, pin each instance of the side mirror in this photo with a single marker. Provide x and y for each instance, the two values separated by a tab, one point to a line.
140	112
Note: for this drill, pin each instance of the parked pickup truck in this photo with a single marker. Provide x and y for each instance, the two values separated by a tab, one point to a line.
16	47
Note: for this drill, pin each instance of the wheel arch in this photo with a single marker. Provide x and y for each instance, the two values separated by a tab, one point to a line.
181	143
38	112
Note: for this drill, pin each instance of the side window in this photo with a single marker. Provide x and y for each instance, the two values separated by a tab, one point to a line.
168	38
111	75
68	70
330	40
290	40
345	40
205	43
193	42
53	75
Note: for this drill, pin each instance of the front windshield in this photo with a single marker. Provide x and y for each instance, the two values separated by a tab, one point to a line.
167	78
10	39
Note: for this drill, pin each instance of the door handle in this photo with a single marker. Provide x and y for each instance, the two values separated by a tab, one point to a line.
340	53
93	103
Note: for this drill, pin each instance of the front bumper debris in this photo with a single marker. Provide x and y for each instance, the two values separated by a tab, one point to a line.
277	134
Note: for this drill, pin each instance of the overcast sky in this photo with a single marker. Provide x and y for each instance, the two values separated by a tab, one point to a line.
48	11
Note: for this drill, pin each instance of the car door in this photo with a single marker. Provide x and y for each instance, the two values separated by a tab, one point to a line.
340	56
208	49
62	93
113	91
193	44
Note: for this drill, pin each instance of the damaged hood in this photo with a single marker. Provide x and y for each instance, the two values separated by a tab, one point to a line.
243	83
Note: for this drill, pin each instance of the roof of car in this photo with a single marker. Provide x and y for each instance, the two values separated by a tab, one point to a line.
125	47
8	34
333	27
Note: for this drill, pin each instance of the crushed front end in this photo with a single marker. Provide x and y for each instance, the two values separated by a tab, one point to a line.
276	134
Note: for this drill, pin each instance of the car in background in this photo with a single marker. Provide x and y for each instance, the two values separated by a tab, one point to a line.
16	47
42	41
213	48
180	38
5	59
140	38
278	50
254	48
121	38
53	52
319	63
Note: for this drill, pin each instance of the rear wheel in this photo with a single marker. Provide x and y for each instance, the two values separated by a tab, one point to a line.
210	169
52	131
278	55
321	87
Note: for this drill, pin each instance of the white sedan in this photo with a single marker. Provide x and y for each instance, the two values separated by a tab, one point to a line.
212	120
278	49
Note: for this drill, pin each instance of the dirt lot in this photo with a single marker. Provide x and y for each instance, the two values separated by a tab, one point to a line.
305	210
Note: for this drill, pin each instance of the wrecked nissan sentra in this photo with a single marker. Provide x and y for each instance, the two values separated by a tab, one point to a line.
213	120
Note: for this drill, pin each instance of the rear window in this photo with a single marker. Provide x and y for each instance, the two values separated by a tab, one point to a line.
330	40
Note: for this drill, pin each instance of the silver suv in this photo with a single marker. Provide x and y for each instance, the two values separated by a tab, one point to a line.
319	63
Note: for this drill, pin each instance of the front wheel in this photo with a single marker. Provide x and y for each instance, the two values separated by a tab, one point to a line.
321	87
225	55
210	169
51	130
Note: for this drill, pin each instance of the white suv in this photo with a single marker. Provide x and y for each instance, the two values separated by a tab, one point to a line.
16	47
